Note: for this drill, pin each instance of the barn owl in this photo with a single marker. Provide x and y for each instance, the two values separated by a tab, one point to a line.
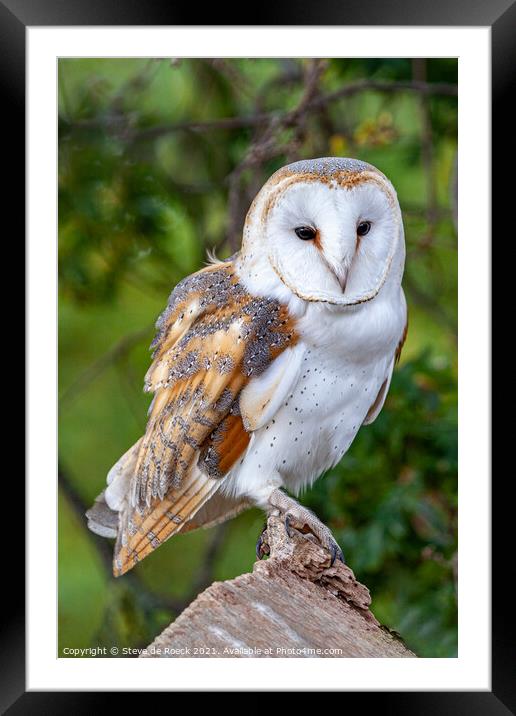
266	365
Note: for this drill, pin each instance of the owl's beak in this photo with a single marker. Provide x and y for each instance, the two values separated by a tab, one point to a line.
342	278
338	268
341	274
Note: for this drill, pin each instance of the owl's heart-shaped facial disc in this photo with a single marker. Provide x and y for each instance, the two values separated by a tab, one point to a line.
330	229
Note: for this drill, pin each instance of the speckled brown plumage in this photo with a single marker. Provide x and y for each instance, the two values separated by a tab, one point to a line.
212	338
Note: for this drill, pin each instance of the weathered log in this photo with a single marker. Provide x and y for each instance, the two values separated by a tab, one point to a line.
294	604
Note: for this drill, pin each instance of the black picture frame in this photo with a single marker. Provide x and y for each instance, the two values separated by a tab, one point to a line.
500	16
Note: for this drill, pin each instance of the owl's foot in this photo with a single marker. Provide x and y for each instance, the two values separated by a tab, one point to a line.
295	515
317	528
262	547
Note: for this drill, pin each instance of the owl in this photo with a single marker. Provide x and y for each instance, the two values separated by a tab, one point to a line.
266	365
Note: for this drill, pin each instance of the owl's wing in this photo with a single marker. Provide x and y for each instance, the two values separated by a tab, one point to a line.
376	407
212	339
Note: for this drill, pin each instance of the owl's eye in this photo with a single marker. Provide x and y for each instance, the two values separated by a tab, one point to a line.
363	228
306	233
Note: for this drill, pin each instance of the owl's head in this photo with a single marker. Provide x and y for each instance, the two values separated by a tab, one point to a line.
330	229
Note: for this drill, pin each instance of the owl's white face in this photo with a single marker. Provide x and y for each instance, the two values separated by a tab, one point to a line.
329	239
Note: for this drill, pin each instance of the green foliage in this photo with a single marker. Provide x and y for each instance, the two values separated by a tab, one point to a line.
145	188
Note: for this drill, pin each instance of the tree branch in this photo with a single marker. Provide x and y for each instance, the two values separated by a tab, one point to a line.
117	122
117	352
293	604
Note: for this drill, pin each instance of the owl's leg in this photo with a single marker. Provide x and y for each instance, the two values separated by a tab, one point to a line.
295	514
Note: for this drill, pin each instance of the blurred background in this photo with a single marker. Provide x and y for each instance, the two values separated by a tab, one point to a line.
159	160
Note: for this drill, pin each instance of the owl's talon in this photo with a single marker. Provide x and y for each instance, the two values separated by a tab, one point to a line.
262	548
295	515
336	553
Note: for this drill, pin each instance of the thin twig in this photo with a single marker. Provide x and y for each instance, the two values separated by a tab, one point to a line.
265	118
114	354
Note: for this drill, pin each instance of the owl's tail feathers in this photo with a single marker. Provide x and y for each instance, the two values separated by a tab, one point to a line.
143	529
217	509
101	518
195	503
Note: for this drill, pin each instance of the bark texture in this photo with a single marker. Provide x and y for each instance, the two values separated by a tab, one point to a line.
292	605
